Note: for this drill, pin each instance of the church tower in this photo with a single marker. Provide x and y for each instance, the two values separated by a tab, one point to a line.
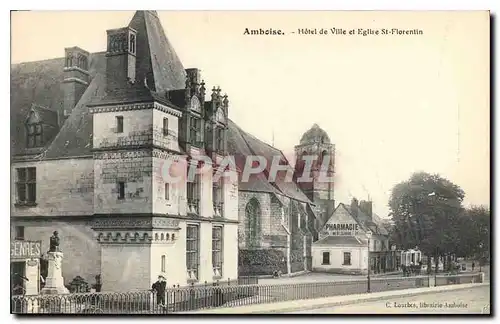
316	183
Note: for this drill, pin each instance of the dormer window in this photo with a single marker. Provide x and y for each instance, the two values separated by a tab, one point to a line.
195	130
34	131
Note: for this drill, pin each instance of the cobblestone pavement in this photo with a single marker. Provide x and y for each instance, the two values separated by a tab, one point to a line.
467	301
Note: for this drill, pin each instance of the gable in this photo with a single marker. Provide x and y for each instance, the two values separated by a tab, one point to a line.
341	223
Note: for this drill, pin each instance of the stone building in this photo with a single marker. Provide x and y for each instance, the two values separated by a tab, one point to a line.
278	219
343	242
316	142
91	137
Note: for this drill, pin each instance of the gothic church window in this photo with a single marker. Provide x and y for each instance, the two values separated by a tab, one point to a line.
253	217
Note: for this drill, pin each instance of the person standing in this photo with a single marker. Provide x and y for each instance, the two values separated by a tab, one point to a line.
473	265
159	287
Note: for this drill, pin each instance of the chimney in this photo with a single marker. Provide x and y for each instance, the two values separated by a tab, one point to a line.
194	76
121	58
354	207
366	207
76	79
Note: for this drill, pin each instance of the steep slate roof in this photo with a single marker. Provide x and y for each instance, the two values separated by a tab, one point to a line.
237	147
155	54
48	116
241	144
76	135
32	83
315	135
40	83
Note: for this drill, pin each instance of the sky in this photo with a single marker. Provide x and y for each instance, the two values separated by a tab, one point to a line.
392	104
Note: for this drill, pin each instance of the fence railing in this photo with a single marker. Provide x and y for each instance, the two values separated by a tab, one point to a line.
221	295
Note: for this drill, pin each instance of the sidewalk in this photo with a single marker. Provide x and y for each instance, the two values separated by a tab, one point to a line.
296	305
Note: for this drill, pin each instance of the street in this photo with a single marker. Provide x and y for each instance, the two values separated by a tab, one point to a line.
466	301
315	277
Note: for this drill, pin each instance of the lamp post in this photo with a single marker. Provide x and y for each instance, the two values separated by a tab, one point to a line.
369	236
480	256
436	266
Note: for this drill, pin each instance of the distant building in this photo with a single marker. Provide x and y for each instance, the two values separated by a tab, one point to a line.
91	134
343	243
316	142
277	220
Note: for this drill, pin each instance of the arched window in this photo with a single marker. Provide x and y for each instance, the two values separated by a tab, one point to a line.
253	216
322	158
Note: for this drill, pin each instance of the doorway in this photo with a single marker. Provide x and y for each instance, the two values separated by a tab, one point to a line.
17	284
18	277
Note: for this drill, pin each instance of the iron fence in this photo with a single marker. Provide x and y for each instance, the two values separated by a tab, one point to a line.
223	294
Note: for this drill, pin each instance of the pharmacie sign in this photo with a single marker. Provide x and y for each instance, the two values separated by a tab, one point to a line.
25	249
338	229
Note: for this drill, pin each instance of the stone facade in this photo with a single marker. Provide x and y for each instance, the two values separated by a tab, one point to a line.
101	180
281	242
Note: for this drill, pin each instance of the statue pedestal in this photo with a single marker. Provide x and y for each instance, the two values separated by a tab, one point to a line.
54	283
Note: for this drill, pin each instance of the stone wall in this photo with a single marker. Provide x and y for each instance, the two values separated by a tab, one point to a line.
63	188
273	234
132	168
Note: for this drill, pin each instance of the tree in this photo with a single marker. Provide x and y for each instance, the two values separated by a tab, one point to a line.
474	232
425	210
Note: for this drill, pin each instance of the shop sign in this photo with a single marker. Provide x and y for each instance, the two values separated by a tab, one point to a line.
25	249
341	229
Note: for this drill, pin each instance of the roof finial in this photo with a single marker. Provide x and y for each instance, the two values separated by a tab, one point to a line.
202	90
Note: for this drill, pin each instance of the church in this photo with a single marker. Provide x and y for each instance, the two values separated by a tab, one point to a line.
279	219
91	134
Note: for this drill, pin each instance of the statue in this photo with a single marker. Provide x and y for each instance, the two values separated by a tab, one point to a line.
54	243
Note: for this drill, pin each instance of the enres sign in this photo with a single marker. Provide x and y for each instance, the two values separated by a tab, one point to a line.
25	249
